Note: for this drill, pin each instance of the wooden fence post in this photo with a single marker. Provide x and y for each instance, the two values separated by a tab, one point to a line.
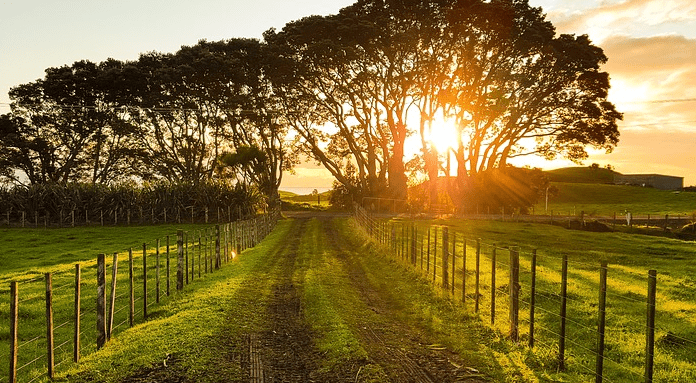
435	257
112	297
193	254
131	289
200	250
157	272
218	260
532	304
76	318
564	302
414	252
168	271
14	324
205	252
477	276
601	322
144	281
225	238
454	260
650	330
445	257
514	293
403	240
186	256
427	264
493	262
180	260
101	301
50	356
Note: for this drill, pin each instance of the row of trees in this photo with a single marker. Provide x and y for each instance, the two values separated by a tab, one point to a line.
192	116
345	89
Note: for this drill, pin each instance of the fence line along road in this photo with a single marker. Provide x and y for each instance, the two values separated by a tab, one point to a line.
120	216
546	302
37	346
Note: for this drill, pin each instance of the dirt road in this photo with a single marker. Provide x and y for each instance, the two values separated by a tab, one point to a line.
378	342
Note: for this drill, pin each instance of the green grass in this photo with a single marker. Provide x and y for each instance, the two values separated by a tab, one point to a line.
35	251
232	303
305	202
328	300
200	327
605	200
57	251
579	174
629	256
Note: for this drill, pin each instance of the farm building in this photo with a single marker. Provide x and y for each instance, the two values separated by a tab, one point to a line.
657	181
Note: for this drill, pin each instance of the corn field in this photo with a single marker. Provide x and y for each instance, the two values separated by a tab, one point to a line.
84	204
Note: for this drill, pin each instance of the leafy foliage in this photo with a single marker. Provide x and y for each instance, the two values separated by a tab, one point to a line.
116	203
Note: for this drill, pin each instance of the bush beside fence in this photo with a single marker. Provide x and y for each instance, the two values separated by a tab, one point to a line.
50	324
541	301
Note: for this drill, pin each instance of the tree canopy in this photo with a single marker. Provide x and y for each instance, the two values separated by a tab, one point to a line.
349	90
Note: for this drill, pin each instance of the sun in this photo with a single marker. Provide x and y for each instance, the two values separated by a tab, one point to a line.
443	135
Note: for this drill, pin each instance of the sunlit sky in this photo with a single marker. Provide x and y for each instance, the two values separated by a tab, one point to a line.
651	45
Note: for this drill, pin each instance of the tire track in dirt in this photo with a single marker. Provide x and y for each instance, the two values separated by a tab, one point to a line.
400	350
287	348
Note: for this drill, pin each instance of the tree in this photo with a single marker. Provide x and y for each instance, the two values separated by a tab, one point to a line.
204	101
516	89
65	127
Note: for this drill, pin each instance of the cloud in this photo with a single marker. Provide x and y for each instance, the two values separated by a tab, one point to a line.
647	71
633	17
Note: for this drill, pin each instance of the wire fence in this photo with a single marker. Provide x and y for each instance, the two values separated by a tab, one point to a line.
52	319
596	320
122	216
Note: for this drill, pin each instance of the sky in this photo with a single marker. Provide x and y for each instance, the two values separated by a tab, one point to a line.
651	46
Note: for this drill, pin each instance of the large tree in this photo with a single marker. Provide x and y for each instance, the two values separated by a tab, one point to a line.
517	89
354	81
66	127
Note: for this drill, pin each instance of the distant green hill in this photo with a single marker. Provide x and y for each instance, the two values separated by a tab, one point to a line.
605	200
581	174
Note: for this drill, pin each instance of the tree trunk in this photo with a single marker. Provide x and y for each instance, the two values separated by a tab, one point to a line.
397	174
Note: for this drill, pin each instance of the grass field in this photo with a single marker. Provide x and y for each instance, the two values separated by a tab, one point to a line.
188	325
605	200
292	201
29	253
629	257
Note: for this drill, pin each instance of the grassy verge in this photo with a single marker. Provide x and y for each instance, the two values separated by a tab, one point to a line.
29	253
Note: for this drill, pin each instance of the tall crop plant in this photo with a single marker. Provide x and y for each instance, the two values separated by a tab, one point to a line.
126	202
